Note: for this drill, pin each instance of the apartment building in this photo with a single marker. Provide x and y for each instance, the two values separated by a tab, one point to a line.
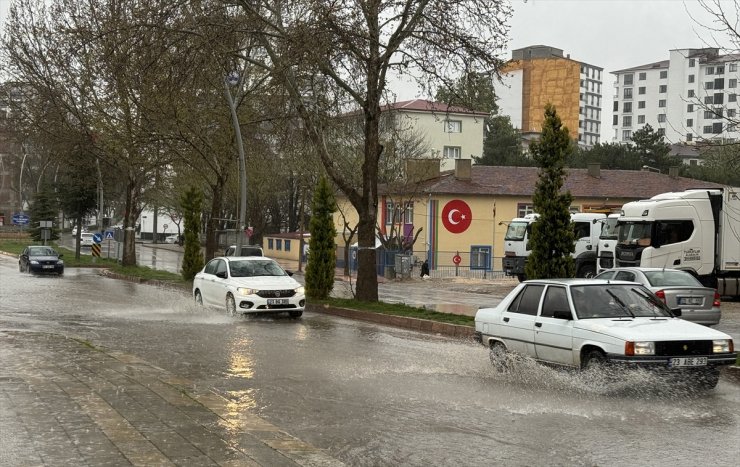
540	74
449	132
689	98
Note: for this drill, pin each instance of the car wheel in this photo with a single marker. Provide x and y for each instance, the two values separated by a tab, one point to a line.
708	378
594	360
499	356
198	298
295	314
587	271
230	305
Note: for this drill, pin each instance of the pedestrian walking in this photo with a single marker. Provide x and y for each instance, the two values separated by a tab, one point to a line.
424	269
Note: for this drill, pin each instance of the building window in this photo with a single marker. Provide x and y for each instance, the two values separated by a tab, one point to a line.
719	98
689	136
709	85
660	132
717	128
287	245
278	244
719	83
709	70
708	115
643	76
693	162
626	135
663	88
731	113
641	90
269	244
640	104
480	257
394	215
733	67
720	70
732	98
691	78
627	121
628	79
707	129
453	126
689	122
664	74
661	118
732	83
640	119
615	120
692	63
689	107
628	93
661	103
691	93
708	99
627	107
523	209
452	152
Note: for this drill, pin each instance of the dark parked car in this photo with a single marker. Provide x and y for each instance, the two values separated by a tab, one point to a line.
41	259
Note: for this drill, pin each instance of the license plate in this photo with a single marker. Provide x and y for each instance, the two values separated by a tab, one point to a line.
687	361
690	300
47	266
277	301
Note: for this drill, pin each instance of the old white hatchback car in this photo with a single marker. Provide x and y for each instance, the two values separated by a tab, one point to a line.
248	284
588	322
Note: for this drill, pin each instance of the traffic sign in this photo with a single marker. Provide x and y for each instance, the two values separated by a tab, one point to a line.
456	259
96	250
97	237
109	235
20	219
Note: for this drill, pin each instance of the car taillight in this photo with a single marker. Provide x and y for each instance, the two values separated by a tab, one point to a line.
716	301
661	295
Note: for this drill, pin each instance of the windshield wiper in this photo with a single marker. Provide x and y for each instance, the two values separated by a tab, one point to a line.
620	302
654	301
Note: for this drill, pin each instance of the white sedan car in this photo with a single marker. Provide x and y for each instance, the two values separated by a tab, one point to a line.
583	323
248	284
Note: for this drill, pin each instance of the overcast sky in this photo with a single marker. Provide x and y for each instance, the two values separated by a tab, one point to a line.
612	34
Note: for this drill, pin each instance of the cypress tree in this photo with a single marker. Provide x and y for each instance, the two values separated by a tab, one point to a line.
43	208
552	238
191	203
322	249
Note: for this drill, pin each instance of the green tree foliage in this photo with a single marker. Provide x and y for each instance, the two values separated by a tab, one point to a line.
322	250
552	239
191	204
77	191
653	150
43	208
721	164
473	91
502	144
609	155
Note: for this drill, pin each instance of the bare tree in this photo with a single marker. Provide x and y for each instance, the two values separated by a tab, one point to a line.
324	52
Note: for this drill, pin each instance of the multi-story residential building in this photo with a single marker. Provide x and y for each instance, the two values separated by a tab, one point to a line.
449	132
689	98
540	74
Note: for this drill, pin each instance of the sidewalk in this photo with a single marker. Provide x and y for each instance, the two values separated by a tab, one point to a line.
63	402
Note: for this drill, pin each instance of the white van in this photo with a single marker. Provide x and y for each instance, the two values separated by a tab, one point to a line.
247	250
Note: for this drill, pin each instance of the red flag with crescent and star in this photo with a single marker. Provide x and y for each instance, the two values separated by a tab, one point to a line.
456	216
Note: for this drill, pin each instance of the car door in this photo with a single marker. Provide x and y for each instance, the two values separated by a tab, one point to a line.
553	337
517	322
209	287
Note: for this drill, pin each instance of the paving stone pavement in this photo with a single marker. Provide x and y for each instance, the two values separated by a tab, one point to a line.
65	402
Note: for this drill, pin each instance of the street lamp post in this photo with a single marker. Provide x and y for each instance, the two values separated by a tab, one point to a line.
232	80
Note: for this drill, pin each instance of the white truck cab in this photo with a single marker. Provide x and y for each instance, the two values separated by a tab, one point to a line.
607	242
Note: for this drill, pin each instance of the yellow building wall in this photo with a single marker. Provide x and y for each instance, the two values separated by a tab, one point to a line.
551	80
275	253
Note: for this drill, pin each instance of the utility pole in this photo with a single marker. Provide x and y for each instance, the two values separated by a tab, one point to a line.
233	80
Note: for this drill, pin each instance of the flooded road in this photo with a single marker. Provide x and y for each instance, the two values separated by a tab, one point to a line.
373	395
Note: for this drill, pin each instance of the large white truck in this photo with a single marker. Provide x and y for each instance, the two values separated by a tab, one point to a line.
516	244
694	230
607	242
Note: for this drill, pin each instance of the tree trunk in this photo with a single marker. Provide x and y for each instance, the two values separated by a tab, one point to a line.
216	206
132	212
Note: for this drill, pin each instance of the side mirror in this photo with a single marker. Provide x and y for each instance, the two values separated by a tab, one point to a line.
290	273
676	311
562	314
60	255
221	274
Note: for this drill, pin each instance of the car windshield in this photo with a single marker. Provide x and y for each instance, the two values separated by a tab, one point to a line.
616	301
255	268
516	231
666	278
41	251
609	229
634	233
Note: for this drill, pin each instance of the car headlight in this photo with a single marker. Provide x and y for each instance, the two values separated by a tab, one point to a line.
300	290
246	291
722	346
639	348
60	262
33	261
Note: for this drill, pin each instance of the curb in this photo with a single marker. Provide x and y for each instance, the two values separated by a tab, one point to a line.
415	324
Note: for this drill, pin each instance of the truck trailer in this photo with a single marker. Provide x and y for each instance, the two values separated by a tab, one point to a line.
694	230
